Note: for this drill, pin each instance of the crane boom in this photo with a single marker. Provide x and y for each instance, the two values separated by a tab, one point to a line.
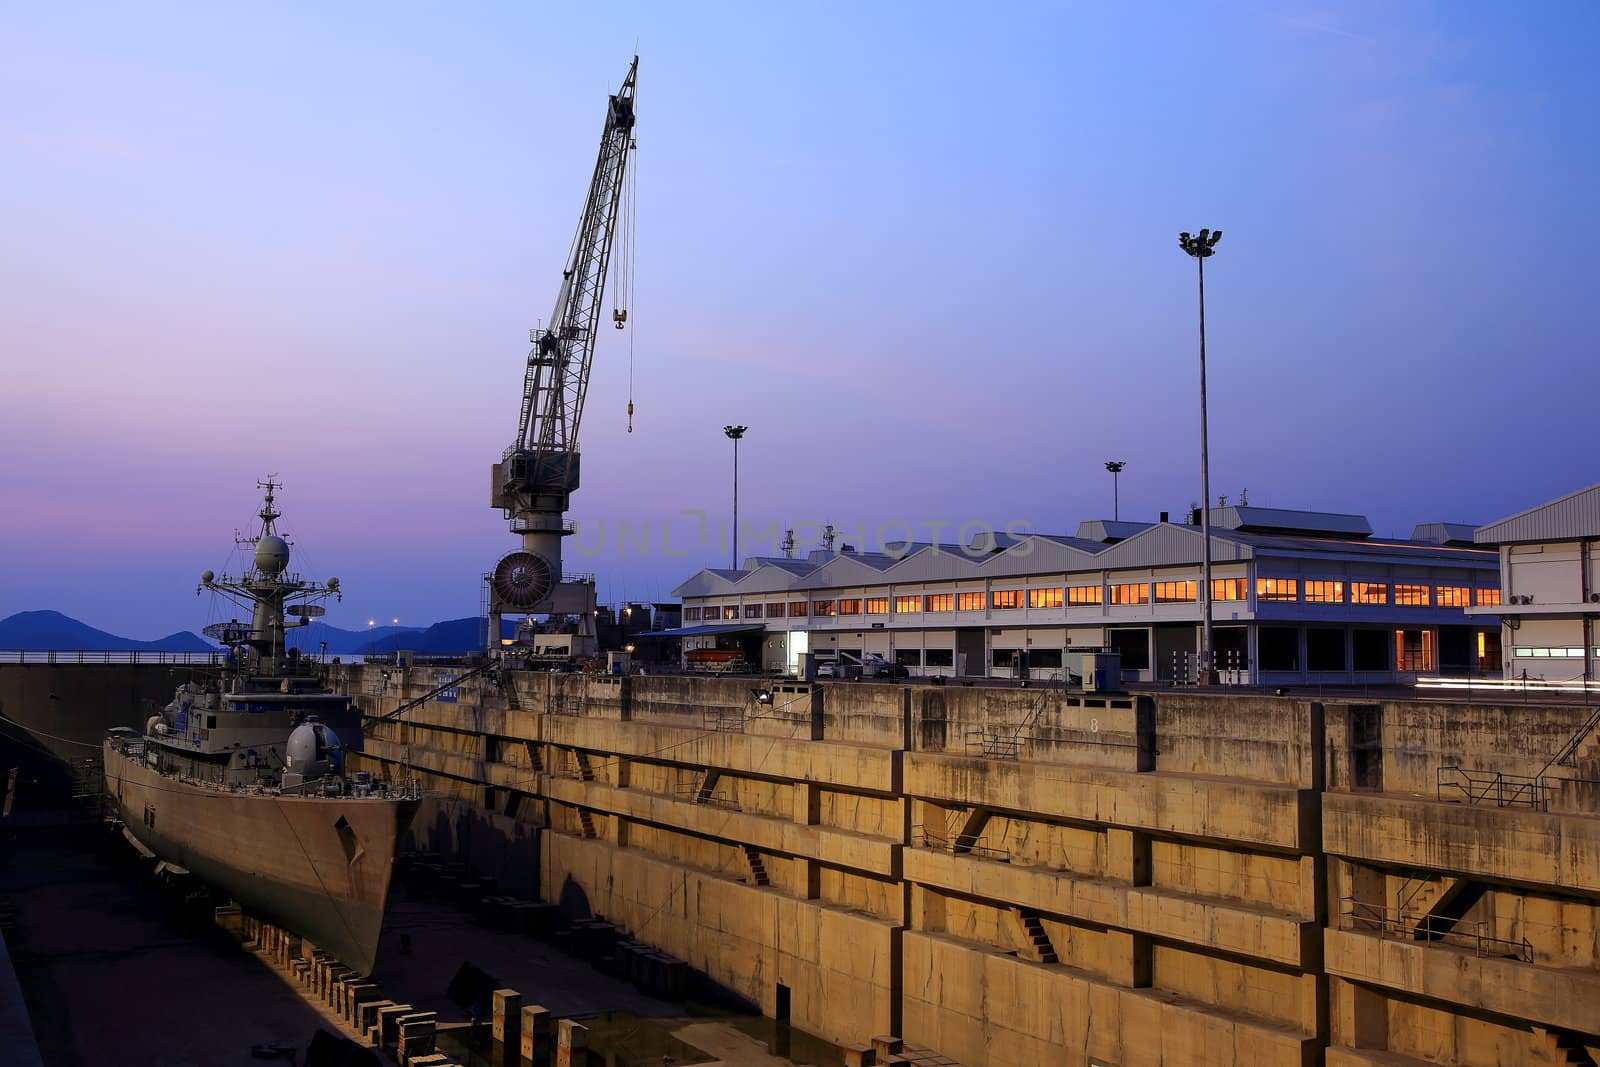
534	480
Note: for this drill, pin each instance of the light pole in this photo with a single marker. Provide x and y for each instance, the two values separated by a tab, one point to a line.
1115	467
734	434
396	622
1202	246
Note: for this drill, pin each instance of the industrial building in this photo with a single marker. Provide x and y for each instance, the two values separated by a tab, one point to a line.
1297	596
1552	597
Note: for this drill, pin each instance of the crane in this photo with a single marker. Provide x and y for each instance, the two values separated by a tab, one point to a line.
533	482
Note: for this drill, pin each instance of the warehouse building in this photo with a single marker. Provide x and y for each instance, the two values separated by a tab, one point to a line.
1547	558
1297	596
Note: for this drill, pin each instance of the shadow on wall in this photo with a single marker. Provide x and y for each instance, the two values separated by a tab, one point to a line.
490	844
574	901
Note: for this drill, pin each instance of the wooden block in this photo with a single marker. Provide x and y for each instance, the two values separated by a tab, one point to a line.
507	1017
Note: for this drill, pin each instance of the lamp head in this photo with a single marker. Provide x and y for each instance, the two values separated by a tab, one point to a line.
735	432
1115	466
1201	245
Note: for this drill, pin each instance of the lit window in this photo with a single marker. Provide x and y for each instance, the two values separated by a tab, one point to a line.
939	602
969	601
1007	598
1550	653
1277	589
850	607
797	609
1175	592
1452	596
877	605
1228	588
1320	592
1414	648
775	611
752	611
1130	593
821	608
1044	598
906	604
691	614
1488	598
730	612
1085	594
1414	596
1369	592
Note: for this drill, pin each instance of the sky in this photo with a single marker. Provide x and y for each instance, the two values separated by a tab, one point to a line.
926	252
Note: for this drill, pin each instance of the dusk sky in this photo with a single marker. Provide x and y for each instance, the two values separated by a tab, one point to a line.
927	252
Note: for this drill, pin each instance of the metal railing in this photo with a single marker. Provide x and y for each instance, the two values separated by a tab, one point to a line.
695	795
994	743
93	656
1359	916
1498	787
956	844
725	721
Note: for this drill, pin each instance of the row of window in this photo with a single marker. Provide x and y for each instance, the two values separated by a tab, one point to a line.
1315	591
1551	653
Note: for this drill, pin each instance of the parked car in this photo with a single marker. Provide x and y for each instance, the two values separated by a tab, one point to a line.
826	669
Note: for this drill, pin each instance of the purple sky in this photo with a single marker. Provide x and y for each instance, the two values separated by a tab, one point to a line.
928	257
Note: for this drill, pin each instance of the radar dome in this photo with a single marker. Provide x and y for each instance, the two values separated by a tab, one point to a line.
314	751
206	577
272	555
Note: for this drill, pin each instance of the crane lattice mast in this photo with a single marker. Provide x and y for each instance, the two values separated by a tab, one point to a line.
534	480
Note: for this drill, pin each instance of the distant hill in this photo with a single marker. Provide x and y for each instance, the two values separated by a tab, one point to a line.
42	631
442	638
309	639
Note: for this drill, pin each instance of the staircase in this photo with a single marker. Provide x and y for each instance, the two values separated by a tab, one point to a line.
1566	1049
1038	940
1452	904
758	869
585	771
586	823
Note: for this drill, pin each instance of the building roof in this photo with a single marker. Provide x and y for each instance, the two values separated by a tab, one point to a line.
1444	533
1251	519
1106	531
705	631
1574	516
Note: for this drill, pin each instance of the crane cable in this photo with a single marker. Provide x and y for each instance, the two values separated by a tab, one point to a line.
624	289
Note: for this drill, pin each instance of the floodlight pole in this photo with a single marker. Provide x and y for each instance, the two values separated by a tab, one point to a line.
1115	467
734	434
1201	246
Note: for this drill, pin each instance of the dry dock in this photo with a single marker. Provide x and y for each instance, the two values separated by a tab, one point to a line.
1020	876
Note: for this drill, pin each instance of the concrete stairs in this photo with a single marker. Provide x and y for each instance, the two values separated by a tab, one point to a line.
758	868
585	769
586	823
1033	931
1567	1050
535	758
1448	909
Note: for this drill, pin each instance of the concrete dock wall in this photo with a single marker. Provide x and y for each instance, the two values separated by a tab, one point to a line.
1022	876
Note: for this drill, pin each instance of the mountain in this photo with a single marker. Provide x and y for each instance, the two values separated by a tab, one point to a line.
308	639
41	631
442	638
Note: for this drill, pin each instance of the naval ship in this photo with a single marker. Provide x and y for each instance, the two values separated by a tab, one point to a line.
240	779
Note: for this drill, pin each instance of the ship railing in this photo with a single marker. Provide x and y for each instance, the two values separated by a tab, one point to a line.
102	656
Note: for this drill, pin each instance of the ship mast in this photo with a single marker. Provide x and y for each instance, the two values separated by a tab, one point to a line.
276	598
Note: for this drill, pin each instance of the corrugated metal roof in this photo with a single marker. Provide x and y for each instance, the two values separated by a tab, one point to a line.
1444	533
1264	520
1107	530
1574	516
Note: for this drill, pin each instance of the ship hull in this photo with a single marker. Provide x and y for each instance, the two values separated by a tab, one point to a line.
318	866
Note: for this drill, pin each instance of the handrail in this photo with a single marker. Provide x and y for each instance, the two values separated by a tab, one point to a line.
1504	789
1564	755
959	844
1360	915
103	656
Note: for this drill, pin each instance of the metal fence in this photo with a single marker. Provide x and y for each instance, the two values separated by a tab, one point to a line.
1485	787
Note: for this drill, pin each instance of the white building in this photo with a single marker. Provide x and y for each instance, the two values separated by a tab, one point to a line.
1296	596
1548	556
